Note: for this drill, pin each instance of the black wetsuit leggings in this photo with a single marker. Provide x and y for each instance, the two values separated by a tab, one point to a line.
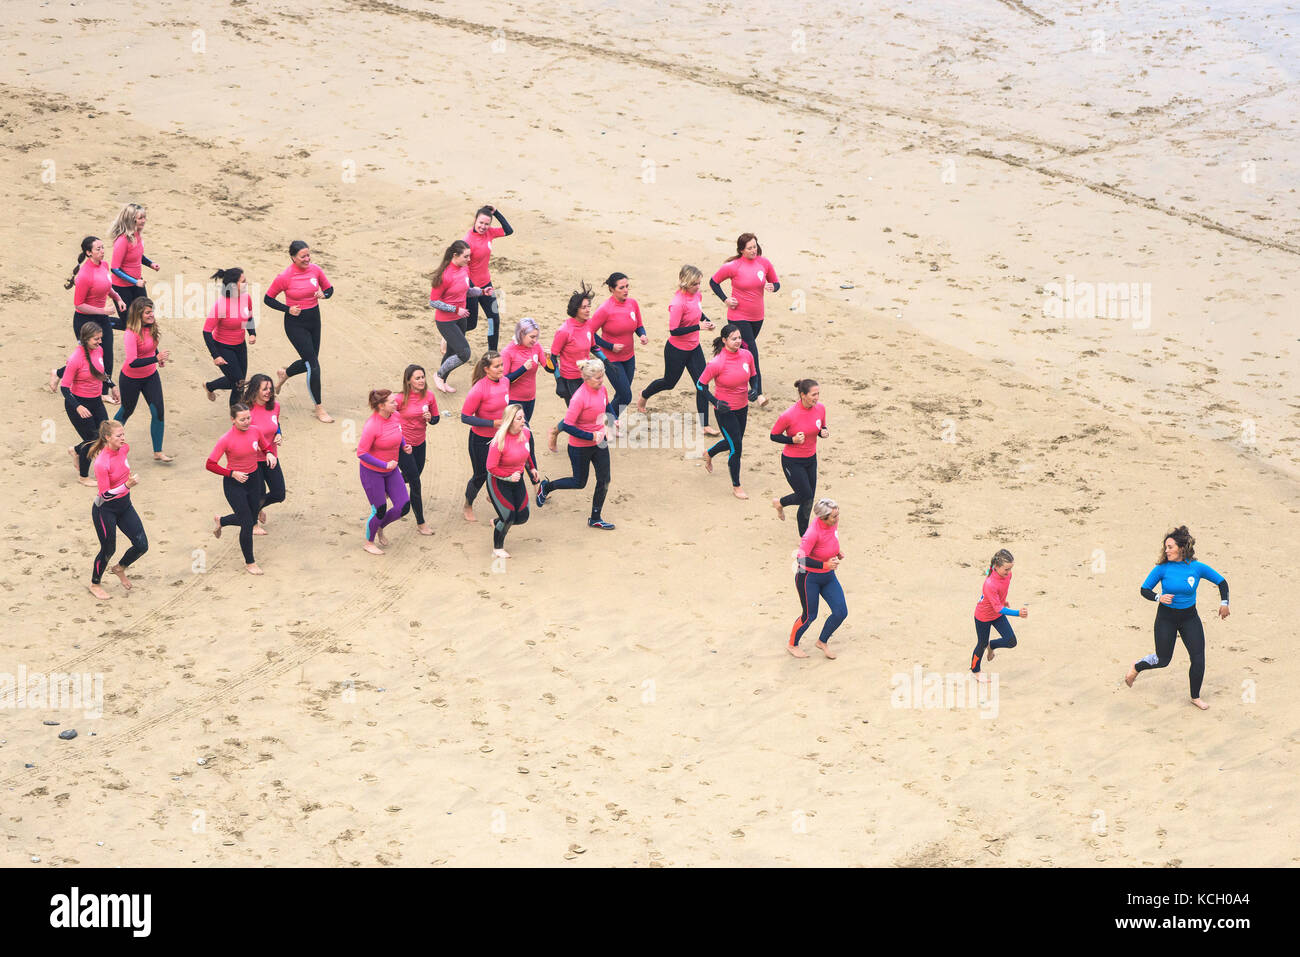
732	425
245	499
458	351
108	518
565	388
151	388
677	361
581	458
478	453
87	429
129	295
272	480
802	476
749	332
510	499
411	465
235	372
303	332
1170	623
492	311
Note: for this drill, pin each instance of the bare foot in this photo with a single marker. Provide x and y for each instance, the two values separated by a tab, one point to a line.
162	457
710	430
72	450
988	655
109	400
708	463
216	526
261	517
796	651
552	438
739	492
372	548
87	481
500	553
640	401
281	377
120	572
381	538
212	396
1200	704
469	513
826	651
1131	677
99	593
253	569
762	401
780	512
258	530
54	380
424	529
322	415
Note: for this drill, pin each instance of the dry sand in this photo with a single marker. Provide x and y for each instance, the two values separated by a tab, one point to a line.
427	707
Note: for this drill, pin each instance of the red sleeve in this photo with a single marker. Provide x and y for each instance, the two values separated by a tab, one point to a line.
782	422
494	455
495	232
215	458
560	341
990	593
597	320
473	399
101	472
809	540
325	280
277	286
726	271
771	271
210	323
676	310
709	372
131	342
75	361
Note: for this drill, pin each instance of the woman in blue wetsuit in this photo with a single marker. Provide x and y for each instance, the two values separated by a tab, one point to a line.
1179	573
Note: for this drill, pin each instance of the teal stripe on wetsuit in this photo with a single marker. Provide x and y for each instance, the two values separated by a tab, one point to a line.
1180	580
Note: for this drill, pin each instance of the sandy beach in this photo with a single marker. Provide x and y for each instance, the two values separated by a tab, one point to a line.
1036	254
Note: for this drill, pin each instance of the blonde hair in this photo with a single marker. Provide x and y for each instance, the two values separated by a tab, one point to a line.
124	225
824	507
688	276
106	429
507	420
588	368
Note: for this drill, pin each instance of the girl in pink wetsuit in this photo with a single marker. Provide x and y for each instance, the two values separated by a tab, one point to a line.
509	459
480	238
241	481
112	508
751	274
418	409
991	611
139	375
92	286
381	443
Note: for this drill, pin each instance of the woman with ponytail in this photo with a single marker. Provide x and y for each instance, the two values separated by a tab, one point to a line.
139	375
991	611
304	285
816	559
381	444
230	317
112	508
482	411
83	399
798	428
733	368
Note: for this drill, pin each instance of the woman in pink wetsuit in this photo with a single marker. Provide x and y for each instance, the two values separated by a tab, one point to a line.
818	556
751	274
381	443
304	285
418	409
509	459
92	286
241	480
128	258
112	509
480	237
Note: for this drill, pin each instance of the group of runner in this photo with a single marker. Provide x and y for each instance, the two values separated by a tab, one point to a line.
588	348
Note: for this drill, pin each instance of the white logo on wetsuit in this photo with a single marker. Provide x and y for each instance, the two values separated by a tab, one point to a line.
275	419
1191	581
818	423
762	275
314	283
745	366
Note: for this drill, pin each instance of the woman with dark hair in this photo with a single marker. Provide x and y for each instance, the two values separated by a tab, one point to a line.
304	284
682	351
139	374
92	286
573	343
381	443
112	508
798	428
733	368
261	402
482	410
751	274
83	396
240	480
451	289
1178	573
223	333
479	238
128	256
417	408
619	318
